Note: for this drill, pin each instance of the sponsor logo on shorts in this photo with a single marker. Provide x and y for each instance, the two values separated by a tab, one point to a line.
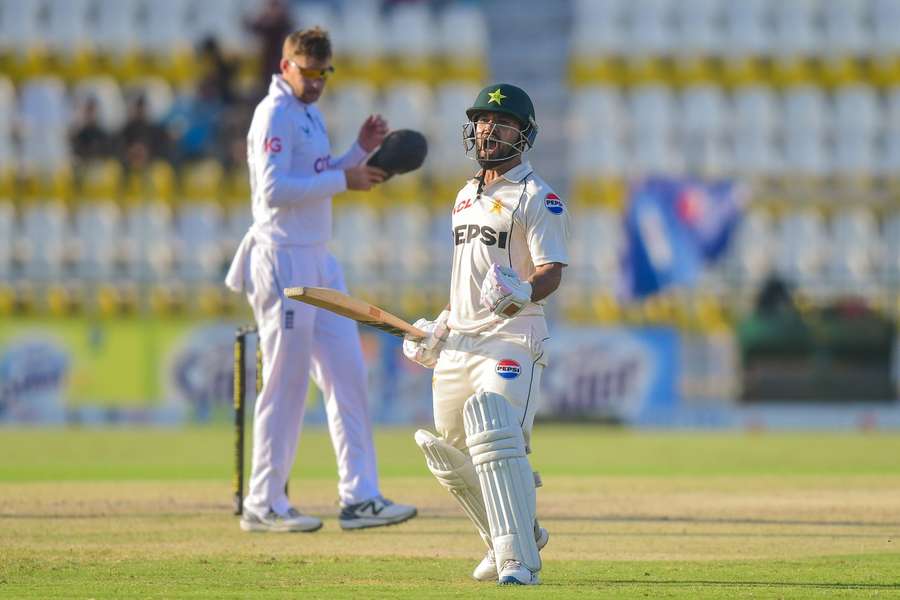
553	204
508	368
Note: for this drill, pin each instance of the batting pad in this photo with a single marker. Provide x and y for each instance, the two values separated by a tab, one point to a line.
497	446
455	471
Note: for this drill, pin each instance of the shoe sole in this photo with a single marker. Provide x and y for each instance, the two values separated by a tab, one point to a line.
369	522
263	528
510	580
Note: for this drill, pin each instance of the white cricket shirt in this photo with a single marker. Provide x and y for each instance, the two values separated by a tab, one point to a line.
516	221
292	173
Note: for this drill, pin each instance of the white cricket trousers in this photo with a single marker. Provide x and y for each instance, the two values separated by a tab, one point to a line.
297	341
508	361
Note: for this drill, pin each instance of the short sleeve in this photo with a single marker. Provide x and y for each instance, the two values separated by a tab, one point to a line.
547	227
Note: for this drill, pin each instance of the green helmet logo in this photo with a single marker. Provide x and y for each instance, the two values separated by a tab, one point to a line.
508	99
496	96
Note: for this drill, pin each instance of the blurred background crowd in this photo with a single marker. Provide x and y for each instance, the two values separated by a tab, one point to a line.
123	184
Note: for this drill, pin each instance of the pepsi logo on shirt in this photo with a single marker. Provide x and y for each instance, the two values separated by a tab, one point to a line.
508	368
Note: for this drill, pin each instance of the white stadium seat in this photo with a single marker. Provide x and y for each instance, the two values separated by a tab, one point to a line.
162	25
65	29
796	29
7	236
746	27
348	106
407	105
461	32
885	19
650	30
844	24
19	24
409	31
855	250
751	254
699	29
96	225
44	118
704	130
446	157
42	243
802	247
199	251
147	242
112	25
891	255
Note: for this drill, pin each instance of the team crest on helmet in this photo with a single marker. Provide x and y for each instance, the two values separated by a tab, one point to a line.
496	96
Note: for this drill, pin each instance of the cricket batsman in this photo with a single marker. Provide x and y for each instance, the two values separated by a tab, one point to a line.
509	232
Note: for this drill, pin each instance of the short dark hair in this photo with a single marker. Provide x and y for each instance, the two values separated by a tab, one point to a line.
313	43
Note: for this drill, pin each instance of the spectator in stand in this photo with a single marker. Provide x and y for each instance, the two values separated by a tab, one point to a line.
141	141
89	140
272	25
195	123
218	71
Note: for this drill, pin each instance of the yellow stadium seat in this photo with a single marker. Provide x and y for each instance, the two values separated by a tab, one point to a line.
741	71
792	71
647	70
606	309
595	70
100	180
203	180
693	70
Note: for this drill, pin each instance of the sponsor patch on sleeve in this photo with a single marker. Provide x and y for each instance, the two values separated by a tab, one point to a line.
553	204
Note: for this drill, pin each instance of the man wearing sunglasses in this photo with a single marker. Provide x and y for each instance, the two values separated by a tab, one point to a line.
292	179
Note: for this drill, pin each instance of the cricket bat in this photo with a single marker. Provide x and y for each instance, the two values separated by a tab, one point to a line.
354	308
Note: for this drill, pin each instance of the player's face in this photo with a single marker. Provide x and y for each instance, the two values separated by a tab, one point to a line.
495	136
306	76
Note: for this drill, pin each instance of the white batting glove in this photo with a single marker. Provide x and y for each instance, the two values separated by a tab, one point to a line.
503	293
427	350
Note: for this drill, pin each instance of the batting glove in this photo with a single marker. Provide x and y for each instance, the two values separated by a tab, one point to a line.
427	350
503	293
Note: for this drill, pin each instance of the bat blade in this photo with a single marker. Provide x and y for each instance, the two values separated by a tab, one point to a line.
354	308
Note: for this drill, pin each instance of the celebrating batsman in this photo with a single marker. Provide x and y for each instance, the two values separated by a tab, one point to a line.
509	249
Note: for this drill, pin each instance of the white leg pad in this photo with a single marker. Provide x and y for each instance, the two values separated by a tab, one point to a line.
454	470
497	447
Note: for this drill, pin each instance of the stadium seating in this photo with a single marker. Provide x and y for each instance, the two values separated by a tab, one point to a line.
799	98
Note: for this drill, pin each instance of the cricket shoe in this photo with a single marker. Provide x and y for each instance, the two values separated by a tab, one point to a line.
292	520
375	512
515	573
487	568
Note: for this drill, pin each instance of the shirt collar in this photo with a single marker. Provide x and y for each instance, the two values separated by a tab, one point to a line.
514	175
280	87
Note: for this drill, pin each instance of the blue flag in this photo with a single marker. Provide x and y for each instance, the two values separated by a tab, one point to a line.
672	229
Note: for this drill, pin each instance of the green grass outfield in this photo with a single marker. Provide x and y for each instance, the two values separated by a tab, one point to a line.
146	513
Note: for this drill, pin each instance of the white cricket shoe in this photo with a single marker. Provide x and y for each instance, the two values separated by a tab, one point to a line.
487	568
292	520
515	573
375	512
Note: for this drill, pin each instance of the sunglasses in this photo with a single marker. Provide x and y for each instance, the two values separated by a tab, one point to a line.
307	73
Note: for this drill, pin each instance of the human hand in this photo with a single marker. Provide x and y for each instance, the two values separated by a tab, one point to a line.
427	350
372	133
503	293
363	177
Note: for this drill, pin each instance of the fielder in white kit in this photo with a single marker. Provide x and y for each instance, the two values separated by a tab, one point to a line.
292	180
509	248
